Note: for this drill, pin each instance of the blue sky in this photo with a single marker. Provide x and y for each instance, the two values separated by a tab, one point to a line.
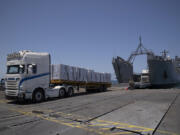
88	33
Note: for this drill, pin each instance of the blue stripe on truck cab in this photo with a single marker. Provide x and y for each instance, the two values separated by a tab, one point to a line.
32	77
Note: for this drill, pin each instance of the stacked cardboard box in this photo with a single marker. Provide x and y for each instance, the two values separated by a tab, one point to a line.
65	72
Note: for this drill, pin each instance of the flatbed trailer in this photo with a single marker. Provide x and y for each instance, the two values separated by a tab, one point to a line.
101	86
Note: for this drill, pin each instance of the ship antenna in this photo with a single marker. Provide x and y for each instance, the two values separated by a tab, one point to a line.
140	40
164	53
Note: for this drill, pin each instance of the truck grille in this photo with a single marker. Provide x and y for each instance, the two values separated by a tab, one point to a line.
11	85
11	93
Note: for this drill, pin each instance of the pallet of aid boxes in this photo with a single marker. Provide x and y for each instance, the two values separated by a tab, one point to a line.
98	77
81	74
105	77
59	72
68	73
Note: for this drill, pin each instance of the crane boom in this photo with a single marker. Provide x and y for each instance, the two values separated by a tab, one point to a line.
141	50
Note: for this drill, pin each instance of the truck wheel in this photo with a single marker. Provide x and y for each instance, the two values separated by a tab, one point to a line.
101	89
70	92
88	90
38	96
62	93
104	88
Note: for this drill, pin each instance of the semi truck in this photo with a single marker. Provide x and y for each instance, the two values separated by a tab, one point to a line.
30	76
144	80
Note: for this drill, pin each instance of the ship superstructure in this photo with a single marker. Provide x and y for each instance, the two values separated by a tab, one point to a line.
163	70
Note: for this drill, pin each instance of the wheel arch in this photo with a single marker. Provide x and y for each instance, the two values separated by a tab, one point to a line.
70	87
39	89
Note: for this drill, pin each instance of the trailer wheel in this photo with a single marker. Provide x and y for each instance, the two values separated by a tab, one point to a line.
38	96
104	88
70	92
88	90
62	93
101	88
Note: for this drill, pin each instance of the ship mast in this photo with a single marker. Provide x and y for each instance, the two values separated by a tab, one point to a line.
164	53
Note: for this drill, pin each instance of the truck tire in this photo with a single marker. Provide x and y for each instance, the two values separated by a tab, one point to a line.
101	88
62	93
104	88
88	90
70	92
38	96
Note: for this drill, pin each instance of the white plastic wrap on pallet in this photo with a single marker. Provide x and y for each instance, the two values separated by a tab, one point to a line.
55	72
83	74
58	72
98	77
70	73
77	74
89	76
74	73
108	77
93	76
51	71
80	74
105	77
63	72
102	77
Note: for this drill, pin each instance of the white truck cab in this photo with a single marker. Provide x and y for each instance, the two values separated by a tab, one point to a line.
28	76
145	76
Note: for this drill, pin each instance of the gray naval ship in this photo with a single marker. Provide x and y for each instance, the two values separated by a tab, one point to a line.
163	71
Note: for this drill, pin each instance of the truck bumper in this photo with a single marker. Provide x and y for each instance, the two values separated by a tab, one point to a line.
18	95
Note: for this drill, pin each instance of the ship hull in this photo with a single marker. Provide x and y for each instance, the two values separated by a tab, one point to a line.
123	70
162	73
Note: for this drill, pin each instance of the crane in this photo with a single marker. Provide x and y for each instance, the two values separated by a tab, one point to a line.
141	50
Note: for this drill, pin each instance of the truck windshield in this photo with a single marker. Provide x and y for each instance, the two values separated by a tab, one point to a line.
15	69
